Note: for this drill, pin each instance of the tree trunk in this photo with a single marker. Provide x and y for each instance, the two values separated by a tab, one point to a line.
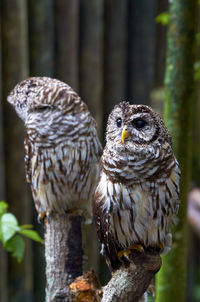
63	253
171	280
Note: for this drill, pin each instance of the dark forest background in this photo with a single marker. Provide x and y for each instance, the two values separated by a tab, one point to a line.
108	51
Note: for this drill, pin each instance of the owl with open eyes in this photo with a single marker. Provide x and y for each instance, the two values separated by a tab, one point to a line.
137	196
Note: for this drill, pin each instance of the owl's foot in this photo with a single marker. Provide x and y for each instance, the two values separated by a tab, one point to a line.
137	247
42	216
124	253
127	252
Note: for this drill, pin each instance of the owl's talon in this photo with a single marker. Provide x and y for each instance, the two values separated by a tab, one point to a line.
137	247
160	248
124	253
127	252
41	217
48	216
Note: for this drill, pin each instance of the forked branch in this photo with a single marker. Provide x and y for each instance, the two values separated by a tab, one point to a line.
126	284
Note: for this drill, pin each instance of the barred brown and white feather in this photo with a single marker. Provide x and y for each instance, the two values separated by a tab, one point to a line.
62	148
137	195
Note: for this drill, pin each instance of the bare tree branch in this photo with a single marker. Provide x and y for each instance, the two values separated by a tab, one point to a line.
129	284
126	284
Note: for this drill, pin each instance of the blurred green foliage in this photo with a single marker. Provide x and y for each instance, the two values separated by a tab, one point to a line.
197	63
150	298
196	291
163	18
11	231
197	71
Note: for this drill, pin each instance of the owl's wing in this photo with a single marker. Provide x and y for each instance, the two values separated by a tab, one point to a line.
28	154
172	187
109	247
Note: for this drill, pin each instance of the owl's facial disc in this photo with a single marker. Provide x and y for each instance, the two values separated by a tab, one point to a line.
142	128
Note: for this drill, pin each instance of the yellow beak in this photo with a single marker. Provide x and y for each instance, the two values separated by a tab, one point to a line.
125	134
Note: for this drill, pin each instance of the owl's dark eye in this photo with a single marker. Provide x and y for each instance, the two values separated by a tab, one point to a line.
119	122
43	108
139	123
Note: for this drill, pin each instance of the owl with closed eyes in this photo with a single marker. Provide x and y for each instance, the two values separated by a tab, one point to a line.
137	196
62	148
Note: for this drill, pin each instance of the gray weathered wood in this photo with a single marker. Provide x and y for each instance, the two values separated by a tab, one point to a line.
63	253
129	284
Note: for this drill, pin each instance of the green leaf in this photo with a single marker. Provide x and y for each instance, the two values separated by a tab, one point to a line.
3	207
16	246
26	226
31	234
9	226
163	18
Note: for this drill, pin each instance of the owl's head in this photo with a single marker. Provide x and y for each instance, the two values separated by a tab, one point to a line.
132	127
50	109
37	95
